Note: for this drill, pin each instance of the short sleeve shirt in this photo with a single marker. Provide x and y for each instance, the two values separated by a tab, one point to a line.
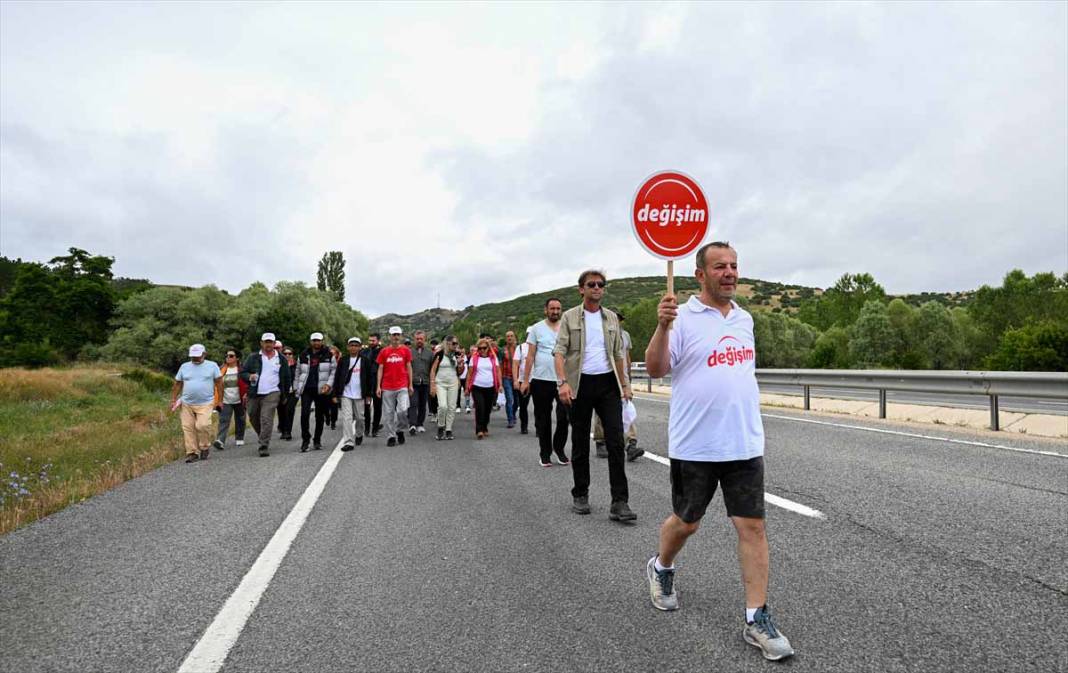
198	381
394	363
543	339
715	402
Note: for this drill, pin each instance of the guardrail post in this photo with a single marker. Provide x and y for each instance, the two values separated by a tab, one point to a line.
648	384
882	403
994	421
808	399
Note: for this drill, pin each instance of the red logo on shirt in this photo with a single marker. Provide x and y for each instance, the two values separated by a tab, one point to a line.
731	355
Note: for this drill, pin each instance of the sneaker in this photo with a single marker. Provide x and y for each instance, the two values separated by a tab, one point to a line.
359	440
620	511
263	451
448	434
217	445
411	430
304	447
602	450
467	410
634	453
562	460
763	634
204	454
661	587
420	429
459	410
581	505
192	458
392	441
241	442
524	431
374	434
545	462
348	447
441	434
318	446
400	437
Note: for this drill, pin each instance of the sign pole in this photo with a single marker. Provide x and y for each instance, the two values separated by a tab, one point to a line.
671	277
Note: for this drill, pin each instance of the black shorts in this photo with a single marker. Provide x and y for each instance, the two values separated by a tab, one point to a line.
693	483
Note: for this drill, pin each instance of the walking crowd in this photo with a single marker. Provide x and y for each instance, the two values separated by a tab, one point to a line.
574	365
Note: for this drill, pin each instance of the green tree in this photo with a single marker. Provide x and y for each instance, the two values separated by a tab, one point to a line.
936	336
841	304
871	338
906	353
831	350
1020	301
1040	347
331	275
782	341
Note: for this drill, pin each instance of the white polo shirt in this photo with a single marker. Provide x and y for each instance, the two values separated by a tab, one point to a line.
270	374
715	401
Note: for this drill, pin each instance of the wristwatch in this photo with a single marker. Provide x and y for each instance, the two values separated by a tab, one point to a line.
561	382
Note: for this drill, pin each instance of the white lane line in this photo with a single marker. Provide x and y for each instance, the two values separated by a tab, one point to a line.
209	653
897	432
773	499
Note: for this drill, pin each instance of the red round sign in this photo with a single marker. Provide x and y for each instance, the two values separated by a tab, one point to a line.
670	214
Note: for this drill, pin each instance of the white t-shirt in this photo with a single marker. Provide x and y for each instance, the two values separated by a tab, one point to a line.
715	402
353	389
594	356
484	374
543	338
270	373
520	357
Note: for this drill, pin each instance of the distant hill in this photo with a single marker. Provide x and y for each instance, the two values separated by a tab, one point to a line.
435	321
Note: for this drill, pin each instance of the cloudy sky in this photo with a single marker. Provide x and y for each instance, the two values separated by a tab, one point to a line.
484	151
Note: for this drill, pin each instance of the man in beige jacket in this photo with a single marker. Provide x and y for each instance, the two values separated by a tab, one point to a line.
591	375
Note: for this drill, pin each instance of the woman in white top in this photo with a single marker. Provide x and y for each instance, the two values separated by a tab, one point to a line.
484	383
445	384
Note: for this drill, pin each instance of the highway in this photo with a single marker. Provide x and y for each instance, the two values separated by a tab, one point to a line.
916	554
1028	405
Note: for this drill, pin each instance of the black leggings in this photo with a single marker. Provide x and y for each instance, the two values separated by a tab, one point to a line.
483	399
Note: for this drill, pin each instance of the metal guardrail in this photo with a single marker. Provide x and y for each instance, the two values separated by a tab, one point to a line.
1049	385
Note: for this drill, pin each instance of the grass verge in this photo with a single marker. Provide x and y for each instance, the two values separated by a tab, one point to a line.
67	434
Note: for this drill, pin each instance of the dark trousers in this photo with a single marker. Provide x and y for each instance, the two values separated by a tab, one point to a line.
520	402
598	393
322	405
372	408
332	411
432	405
287	408
483	399
417	409
549	442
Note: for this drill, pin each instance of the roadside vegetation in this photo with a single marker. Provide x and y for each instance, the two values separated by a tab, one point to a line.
67	434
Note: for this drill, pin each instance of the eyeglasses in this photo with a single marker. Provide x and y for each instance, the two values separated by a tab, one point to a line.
231	355
287	353
595	283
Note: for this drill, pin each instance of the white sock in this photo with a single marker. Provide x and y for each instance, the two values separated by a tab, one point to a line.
750	613
660	568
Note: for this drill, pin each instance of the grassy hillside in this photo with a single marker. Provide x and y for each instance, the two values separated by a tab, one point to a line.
68	434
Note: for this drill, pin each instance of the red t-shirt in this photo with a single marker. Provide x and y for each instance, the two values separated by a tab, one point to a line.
394	363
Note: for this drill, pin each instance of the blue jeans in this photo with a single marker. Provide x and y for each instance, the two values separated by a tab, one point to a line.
509	401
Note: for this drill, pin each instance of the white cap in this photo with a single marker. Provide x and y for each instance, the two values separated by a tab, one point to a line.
267	336
355	340
196	350
396	330
316	335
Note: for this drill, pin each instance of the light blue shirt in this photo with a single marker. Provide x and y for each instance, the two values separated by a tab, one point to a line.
198	381
543	339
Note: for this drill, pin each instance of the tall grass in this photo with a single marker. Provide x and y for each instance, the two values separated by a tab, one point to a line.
70	433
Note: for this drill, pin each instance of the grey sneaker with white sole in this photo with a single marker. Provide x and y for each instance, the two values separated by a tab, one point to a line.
661	587
763	633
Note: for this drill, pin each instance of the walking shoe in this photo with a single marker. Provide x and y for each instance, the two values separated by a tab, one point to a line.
241	442
192	458
263	451
304	446
602	450
581	505
411	430
359	440
545	462
459	409
204	454
420	429
524	431
634	453
763	634
392	441
479	435
448	434
620	511
562	459
441	433
467	410
661	586
400	437
217	445
348	447
374	434
318	446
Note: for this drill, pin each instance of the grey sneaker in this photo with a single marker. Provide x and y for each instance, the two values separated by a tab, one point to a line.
602	450
217	445
661	587
581	504
763	634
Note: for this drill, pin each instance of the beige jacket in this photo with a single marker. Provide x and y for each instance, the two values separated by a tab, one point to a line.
571	343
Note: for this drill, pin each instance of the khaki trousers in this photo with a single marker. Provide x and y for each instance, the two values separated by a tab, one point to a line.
196	427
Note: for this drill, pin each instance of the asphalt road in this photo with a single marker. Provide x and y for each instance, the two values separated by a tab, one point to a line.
1028	405
464	556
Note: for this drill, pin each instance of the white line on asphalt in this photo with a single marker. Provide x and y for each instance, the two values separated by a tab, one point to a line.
773	499
898	432
209	653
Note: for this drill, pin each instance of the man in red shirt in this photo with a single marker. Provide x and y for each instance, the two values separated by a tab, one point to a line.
395	385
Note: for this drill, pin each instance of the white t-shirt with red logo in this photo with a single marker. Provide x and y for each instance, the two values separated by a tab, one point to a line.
715	401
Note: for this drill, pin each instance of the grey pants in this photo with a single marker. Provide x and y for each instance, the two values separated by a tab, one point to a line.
228	411
393	419
351	418
261	410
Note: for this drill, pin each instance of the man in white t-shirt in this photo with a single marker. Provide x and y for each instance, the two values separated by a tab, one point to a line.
538	379
715	435
521	401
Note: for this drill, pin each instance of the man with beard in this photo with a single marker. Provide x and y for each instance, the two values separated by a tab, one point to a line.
372	413
539	379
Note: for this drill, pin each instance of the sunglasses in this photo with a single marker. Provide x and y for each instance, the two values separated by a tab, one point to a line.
595	283
287	353
231	355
